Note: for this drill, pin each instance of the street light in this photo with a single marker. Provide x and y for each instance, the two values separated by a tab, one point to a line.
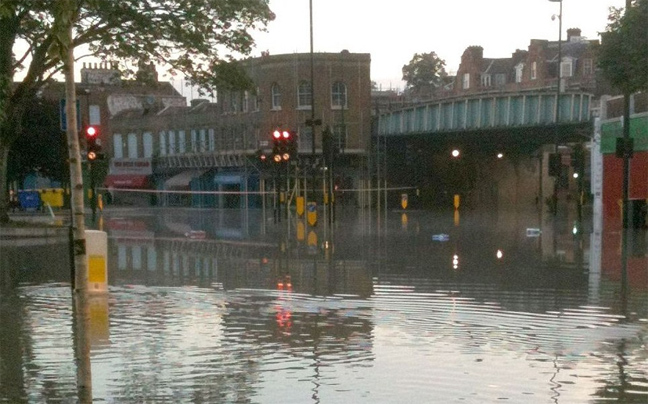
559	74
558	83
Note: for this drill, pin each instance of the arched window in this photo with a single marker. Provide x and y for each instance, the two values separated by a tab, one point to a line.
304	95
338	95
276	96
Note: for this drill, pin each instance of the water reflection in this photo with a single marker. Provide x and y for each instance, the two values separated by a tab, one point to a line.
212	307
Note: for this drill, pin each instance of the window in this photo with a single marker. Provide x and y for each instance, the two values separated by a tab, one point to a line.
182	142
148	144
276	96
212	140
466	81
118	146
534	70
500	79
566	68
305	139
163	145
132	146
486	80
194	141
519	69
257	100
588	67
340	136
246	101
304	95
339	95
234	101
172	143
203	140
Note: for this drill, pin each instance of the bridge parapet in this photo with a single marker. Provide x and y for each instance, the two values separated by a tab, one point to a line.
492	111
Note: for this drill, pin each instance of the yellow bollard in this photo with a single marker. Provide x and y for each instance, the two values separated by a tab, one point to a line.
299	204
97	256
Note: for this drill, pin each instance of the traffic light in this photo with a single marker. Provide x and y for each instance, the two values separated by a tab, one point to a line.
329	146
284	146
555	165
93	144
578	159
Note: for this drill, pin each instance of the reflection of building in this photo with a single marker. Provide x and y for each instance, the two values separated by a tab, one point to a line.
212	147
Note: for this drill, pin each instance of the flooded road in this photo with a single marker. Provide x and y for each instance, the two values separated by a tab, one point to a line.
231	307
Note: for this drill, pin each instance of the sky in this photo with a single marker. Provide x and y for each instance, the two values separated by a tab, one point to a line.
393	31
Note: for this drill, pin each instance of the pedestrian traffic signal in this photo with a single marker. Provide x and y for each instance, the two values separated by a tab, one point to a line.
93	144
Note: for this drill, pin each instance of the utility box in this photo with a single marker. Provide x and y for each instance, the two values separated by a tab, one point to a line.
97	256
29	200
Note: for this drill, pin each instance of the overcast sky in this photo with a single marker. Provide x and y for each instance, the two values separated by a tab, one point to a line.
393	31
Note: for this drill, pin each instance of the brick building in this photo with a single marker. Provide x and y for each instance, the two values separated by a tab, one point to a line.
208	146
534	68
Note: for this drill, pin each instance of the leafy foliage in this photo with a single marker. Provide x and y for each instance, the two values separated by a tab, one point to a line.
40	126
623	53
425	72
198	38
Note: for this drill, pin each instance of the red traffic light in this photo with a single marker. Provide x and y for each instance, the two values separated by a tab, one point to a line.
91	131
276	134
285	134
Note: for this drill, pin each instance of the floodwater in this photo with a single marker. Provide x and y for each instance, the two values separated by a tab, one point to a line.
226	306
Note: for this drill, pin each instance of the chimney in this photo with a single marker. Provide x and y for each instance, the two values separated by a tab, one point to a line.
573	34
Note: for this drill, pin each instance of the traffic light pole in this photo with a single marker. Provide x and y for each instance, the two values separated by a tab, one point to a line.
93	191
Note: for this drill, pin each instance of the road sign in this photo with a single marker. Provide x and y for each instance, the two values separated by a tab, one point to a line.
63	115
311	216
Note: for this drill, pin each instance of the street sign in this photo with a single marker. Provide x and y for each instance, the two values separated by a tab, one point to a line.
311	216
63	115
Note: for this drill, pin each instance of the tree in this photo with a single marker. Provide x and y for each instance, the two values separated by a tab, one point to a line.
198	38
424	73
40	126
623	54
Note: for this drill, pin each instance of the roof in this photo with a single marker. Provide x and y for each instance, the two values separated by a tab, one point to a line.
495	66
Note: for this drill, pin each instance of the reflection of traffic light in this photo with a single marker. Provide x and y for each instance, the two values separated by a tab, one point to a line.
93	143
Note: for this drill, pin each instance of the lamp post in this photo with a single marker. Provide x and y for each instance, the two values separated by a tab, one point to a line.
559	73
557	107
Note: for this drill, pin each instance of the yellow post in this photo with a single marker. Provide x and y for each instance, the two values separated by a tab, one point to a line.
311	216
299	204
457	199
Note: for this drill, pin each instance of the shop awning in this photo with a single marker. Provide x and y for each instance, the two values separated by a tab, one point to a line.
182	180
126	181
